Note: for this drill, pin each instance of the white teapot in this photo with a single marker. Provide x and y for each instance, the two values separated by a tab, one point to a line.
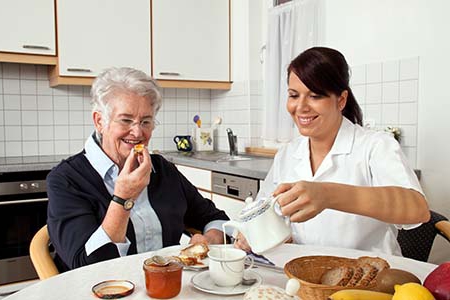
261	224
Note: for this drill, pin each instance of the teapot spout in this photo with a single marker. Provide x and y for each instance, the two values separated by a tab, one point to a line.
234	224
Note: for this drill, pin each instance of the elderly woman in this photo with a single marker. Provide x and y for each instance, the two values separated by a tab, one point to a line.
341	184
109	201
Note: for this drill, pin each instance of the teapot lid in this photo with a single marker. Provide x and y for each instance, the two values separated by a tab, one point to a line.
253	209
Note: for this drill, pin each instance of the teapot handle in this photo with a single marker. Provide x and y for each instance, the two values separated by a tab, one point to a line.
276	207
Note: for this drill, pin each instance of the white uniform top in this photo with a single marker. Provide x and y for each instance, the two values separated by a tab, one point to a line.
359	157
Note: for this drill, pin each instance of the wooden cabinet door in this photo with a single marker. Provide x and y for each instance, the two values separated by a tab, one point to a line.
27	26
94	35
191	39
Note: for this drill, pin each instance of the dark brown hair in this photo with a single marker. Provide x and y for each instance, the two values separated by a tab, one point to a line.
325	71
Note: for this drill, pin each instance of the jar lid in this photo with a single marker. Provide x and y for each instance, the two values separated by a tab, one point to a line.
270	292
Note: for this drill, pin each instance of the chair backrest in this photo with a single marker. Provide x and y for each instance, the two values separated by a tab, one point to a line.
417	243
40	254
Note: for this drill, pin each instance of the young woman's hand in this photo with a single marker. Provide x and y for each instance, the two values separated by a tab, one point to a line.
301	200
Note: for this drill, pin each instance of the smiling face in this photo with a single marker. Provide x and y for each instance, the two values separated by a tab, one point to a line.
119	136
316	116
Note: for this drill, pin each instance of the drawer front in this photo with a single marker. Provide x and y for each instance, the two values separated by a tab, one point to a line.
198	177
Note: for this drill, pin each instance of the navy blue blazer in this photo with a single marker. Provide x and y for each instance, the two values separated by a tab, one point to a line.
78	201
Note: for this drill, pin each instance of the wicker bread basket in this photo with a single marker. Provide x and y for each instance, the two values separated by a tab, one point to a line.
309	270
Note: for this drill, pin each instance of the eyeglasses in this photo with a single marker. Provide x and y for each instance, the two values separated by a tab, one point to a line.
146	124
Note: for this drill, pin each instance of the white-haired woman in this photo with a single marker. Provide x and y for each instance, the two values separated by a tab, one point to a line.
107	201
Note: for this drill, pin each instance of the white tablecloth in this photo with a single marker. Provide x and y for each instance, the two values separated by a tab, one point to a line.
77	284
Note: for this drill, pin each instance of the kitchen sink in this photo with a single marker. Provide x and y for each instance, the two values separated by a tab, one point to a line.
211	156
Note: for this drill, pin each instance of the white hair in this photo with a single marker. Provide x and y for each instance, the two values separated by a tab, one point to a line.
126	80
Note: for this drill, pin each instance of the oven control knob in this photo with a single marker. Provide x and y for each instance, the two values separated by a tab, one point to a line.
34	185
23	186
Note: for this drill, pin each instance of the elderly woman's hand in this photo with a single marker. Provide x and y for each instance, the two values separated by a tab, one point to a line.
240	242
301	200
134	176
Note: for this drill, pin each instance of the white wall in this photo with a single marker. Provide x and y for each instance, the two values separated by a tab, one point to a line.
375	31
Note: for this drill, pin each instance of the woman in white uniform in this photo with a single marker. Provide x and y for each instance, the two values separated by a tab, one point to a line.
341	184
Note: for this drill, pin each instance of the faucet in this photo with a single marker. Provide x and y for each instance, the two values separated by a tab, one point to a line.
232	140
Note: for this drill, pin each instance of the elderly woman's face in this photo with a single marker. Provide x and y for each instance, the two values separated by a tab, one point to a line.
316	116
131	122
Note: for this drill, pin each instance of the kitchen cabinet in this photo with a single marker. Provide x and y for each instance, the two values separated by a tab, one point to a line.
94	35
191	43
27	30
231	206
198	177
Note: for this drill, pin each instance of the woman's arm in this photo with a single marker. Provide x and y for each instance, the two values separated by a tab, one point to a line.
303	200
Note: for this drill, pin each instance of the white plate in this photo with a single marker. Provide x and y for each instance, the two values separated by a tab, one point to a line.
203	282
175	251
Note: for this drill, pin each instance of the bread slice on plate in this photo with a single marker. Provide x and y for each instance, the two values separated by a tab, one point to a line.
199	251
338	276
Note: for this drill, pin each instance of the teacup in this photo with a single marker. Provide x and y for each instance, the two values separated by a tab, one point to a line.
227	265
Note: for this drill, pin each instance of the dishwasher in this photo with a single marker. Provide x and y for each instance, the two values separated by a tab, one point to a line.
234	186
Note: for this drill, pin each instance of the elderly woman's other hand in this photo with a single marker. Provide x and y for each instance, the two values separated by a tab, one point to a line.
301	200
134	176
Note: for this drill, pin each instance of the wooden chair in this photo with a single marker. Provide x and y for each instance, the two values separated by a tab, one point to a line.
417	243
40	254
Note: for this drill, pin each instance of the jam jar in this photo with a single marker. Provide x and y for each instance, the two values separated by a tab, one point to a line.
162	282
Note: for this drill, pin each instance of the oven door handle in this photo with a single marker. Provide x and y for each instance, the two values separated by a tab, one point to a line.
23	201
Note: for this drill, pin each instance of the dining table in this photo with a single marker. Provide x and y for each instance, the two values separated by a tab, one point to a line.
78	283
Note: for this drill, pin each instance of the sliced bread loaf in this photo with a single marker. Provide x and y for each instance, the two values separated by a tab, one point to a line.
339	276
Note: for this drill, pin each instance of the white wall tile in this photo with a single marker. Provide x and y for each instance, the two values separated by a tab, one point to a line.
390	92
13	133
42	73
29	133
11	86
75	146
62	147
28	87
29	102
45	102
373	73
391	71
409	68
75	90
61	117
408	113
61	132
12	117
373	112
389	114
76	118
373	93
1	84
11	71
408	91
2	149
43	88
30	148
13	148
28	71
45	117
46	133
75	102
2	133
76	132
358	75
46	148
60	102
61	90
181	93
29	117
360	93
11	102
411	155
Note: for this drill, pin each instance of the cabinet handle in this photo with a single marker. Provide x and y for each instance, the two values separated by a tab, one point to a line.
35	47
79	70
169	73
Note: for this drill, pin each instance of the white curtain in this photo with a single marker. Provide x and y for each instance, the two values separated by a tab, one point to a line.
292	28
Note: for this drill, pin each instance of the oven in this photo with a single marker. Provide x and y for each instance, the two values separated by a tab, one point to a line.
23	211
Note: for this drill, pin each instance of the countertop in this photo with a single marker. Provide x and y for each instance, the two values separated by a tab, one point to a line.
29	163
257	167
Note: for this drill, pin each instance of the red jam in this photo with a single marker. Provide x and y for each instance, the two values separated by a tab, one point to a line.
162	282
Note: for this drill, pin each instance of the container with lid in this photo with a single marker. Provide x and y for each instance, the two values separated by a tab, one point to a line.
262	224
270	292
162	282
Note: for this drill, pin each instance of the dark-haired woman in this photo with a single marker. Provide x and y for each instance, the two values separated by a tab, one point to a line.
341	184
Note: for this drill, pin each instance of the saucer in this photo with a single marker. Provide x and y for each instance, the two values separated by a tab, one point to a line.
203	282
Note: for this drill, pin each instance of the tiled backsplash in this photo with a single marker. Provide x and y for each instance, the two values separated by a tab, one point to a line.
36	119
388	95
